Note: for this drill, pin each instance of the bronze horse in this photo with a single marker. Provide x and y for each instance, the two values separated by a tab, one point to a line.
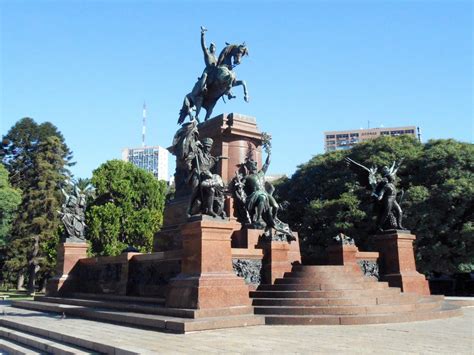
217	80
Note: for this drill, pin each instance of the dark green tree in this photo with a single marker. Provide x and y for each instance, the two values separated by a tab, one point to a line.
20	145
27	151
10	198
127	209
440	206
37	226
437	179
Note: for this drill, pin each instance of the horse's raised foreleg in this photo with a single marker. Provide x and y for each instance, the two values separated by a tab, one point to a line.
244	84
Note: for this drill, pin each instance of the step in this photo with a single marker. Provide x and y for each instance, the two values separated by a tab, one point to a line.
325	270
151	321
350	301
325	294
118	298
291	277
40	343
334	310
444	311
18	325
13	348
150	309
324	287
105	304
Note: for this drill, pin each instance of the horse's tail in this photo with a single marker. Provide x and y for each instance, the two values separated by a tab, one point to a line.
184	112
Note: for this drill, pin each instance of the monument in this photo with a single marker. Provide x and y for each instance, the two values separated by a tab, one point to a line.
223	257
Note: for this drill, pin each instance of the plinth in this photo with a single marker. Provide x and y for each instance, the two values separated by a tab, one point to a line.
207	279
69	255
343	254
397	265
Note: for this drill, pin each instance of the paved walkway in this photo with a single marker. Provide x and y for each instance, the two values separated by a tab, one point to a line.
449	336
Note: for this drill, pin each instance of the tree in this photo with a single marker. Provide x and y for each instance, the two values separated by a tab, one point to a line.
37	226
9	200
19	147
440	206
438	181
37	159
127	209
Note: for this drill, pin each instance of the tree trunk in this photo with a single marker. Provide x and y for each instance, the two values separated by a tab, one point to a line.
33	267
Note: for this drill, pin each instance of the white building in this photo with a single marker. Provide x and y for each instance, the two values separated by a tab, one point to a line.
152	159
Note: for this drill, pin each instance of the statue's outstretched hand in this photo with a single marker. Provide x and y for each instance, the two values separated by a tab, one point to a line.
247	98
203	29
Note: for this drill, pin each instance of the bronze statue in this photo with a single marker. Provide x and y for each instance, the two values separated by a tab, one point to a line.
73	214
256	205
194	168
384	193
217	79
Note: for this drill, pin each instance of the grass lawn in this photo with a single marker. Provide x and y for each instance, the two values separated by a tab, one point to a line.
16	295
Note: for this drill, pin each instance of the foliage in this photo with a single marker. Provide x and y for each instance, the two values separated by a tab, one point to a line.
37	159
325	199
127	209
10	198
19	147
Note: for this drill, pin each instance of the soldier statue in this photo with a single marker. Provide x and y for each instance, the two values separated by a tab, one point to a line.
256	205
194	166
384	193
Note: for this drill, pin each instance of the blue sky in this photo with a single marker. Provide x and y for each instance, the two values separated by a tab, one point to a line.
87	67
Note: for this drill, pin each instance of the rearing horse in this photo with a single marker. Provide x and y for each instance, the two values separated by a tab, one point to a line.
219	80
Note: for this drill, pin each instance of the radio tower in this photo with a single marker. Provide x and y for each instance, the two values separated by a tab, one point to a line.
144	124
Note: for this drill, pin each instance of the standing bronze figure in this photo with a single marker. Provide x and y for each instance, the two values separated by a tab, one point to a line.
384	193
218	79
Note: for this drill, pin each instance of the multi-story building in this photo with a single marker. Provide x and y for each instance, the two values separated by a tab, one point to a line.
152	159
338	140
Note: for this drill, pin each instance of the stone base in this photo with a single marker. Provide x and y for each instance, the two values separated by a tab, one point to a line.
343	254
415	283
207	279
68	257
398	262
275	262
208	291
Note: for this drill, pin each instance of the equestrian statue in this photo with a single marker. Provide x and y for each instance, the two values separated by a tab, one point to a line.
217	80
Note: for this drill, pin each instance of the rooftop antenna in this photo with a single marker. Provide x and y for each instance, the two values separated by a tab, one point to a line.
419	133
368	124
144	124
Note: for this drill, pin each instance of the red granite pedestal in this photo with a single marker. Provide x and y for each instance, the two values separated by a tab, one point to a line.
343	254
398	266
207	279
68	257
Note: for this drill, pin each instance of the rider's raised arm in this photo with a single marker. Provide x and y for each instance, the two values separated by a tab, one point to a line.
203	42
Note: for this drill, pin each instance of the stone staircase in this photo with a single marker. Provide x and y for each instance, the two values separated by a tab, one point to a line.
337	295
149	313
18	338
